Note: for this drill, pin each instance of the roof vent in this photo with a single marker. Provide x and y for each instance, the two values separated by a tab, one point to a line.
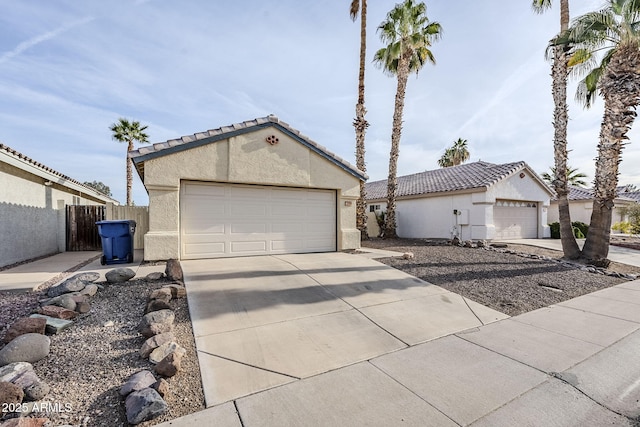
272	140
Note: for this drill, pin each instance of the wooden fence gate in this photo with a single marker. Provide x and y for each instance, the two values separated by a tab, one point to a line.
82	231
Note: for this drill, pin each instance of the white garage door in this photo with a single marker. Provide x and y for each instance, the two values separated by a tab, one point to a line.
224	220
515	219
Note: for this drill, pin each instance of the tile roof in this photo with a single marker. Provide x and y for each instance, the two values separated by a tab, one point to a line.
201	138
579	193
476	175
18	155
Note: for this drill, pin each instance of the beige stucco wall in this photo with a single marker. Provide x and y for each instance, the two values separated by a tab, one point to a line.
244	159
32	214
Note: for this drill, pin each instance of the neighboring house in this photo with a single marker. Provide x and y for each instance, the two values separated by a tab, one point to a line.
581	205
477	200
252	188
32	206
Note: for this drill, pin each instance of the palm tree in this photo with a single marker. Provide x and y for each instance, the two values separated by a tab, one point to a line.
126	131
560	119
360	123
573	177
614	31
408	34
455	155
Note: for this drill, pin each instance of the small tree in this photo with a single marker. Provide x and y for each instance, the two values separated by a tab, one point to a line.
100	187
633	213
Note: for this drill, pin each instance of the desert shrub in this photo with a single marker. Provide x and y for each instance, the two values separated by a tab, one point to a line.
555	230
633	212
582	227
578	233
622	227
380	220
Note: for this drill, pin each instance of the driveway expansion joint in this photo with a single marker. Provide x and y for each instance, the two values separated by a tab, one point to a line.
250	365
235	405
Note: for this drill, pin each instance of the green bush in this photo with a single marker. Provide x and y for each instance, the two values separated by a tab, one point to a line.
633	212
580	229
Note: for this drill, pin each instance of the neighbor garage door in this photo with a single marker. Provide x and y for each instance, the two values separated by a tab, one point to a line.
515	219
223	220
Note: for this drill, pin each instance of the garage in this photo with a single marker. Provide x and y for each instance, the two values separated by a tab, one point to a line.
257	187
515	219
227	220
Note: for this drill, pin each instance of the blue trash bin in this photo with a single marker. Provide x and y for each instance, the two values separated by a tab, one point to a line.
117	241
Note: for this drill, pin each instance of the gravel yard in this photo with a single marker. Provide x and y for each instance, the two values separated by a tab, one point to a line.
505	282
89	361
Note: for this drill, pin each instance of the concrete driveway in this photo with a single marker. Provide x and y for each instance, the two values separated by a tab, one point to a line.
261	322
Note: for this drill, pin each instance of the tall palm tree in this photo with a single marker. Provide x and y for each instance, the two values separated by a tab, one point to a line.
559	71
455	155
408	34
129	132
573	177
360	123
614	32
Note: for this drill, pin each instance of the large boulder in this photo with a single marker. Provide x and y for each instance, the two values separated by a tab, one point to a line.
162	294
10	394
119	275
156	322
25	325
144	405
26	379
138	381
64	301
25	348
155	342
74	283
173	271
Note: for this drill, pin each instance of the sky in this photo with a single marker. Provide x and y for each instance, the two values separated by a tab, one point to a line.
69	69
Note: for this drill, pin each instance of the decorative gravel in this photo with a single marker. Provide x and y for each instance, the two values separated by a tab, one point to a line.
505	282
89	361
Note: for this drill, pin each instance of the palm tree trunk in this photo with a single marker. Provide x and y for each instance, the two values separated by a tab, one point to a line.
360	123
620	88
129	173
392	183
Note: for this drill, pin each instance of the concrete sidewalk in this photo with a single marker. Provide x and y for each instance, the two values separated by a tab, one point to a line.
616	253
571	364
27	277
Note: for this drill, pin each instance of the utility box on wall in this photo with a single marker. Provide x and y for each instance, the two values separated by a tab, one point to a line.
463	216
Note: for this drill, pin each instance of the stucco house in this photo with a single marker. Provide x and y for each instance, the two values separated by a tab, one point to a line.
581	205
478	200
252	188
32	206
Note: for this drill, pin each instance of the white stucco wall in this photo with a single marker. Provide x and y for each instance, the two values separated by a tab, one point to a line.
580	210
243	159
32	215
433	217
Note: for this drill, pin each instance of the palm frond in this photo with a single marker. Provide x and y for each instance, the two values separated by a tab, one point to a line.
354	9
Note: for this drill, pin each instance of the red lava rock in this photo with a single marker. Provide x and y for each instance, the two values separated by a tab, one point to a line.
58	312
170	365
25	325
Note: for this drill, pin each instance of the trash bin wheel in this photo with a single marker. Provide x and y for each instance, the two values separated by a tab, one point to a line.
103	260
129	257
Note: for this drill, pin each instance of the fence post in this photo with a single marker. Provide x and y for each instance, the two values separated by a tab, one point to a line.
61	232
109	211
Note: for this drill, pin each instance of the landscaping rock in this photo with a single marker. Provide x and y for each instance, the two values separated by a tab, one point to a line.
173	271
138	381
36	391
26	379
25	422
83	307
162	294
89	290
164	350
10	393
64	301
170	365
468	244
155	305
119	275
156	322
108	324
144	405
455	241
407	255
177	291
499	245
73	284
162	387
155	342
25	325
10	372
25	348
58	312
481	243
156	275
54	325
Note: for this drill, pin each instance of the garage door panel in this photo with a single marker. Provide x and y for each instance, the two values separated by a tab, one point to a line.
515	219
220	220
